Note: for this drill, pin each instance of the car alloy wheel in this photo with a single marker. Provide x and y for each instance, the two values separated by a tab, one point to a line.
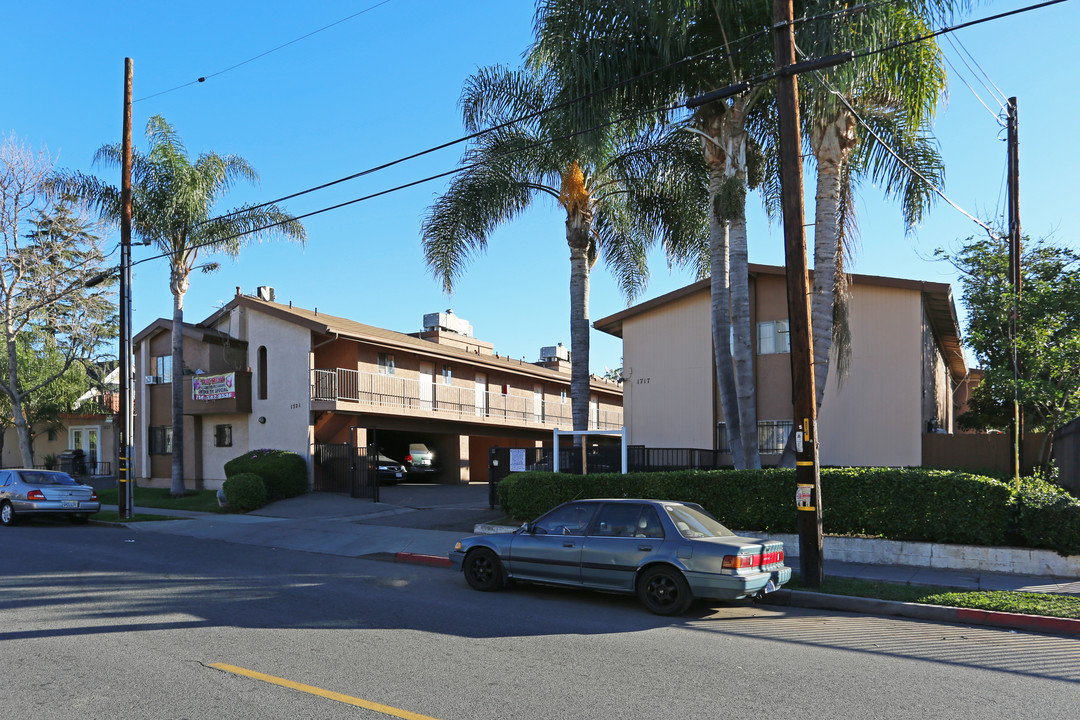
483	570
7	514
664	591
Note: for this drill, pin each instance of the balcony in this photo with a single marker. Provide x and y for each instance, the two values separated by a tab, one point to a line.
361	391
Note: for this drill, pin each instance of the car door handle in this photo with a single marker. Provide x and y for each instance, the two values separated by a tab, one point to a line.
568	544
644	548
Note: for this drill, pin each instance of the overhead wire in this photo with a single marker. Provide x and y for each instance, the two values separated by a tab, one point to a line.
204	78
763	78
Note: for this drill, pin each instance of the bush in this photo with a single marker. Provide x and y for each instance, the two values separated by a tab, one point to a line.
1047	516
245	492
284	472
897	504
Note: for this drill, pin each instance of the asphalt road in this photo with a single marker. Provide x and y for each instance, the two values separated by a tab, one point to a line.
113	622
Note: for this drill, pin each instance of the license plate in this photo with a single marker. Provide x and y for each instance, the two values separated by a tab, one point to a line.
398	474
69	503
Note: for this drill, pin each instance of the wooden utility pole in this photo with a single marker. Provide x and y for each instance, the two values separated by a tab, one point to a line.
1015	282
807	470
125	488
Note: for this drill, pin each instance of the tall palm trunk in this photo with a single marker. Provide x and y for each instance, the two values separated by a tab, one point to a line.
720	283
179	286
831	143
578	227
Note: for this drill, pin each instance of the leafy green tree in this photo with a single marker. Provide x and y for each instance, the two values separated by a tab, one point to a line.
41	358
1047	338
49	321
173	206
622	192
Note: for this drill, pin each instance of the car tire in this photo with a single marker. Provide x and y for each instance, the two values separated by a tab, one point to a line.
484	570
7	514
664	591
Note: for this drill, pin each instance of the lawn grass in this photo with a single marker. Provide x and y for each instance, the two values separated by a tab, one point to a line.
193	501
1063	606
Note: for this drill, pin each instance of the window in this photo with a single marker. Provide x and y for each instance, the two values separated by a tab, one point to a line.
161	440
562	397
722	443
264	385
772	337
386	364
447	375
772	435
223	436
163	368
569	519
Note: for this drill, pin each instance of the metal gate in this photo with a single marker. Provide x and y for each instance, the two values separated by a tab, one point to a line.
343	468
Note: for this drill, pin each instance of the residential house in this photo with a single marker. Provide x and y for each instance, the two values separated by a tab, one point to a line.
270	375
906	367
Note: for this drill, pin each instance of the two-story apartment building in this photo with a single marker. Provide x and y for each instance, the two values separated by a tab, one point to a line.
906	366
261	374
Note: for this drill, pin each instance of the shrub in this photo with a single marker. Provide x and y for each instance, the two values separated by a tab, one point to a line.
893	503
284	472
245	492
1047	516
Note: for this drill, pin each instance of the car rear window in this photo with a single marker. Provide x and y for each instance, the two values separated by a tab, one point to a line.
47	478
693	522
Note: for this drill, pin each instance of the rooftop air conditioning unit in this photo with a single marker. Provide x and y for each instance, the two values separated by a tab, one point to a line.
151	380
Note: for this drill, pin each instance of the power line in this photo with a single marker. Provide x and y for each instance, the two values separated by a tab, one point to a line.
204	78
756	81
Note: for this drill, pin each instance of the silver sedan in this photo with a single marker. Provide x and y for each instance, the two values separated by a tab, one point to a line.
668	553
44	492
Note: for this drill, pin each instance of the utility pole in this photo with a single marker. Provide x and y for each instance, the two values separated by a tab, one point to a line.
807	470
1015	282
125	488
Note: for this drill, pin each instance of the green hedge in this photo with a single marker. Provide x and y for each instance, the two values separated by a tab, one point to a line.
284	472
897	504
244	492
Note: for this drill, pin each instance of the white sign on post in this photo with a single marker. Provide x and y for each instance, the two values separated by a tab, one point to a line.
517	460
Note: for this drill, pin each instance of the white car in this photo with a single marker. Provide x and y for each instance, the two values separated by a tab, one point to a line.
44	492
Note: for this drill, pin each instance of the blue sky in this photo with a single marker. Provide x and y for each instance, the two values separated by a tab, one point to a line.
385	84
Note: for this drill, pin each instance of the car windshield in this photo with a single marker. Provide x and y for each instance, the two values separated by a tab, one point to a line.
47	478
693	522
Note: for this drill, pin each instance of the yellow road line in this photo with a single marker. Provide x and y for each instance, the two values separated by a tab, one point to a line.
347	699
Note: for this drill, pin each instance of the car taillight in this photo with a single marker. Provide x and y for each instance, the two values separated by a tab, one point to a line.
408	458
35	495
738	562
93	496
771	558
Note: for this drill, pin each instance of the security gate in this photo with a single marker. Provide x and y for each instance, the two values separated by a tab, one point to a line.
343	468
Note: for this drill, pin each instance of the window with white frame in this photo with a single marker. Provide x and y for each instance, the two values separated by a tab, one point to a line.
386	363
447	375
562	397
163	368
773	337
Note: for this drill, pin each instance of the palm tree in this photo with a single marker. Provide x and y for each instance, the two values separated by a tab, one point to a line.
172	206
640	50
622	192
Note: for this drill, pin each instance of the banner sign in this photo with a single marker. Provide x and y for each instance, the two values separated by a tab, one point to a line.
213	387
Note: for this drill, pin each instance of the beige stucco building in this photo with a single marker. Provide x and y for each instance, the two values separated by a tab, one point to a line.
295	379
906	364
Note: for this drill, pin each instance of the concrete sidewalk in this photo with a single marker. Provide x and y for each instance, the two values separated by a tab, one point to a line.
422	523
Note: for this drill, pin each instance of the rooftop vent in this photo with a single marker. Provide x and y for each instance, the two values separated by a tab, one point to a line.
265	292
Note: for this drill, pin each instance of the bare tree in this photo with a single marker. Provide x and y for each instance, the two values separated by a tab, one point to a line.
50	251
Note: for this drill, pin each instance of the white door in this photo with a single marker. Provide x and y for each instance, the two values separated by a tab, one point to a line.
538	404
86	439
481	394
427	377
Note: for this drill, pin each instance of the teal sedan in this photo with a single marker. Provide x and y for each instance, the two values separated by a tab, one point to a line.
667	553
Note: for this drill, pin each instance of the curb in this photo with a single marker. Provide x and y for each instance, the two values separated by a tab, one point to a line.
918	611
421	559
